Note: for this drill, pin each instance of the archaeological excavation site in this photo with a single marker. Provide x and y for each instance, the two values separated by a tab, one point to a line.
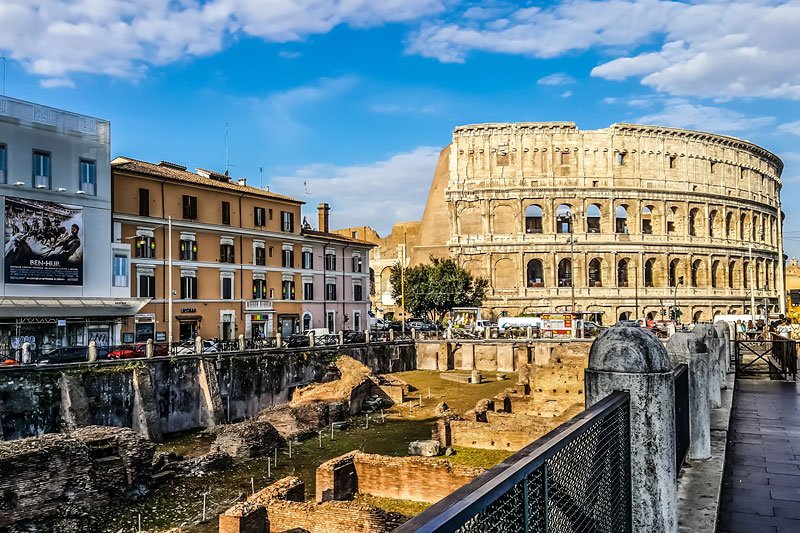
355	438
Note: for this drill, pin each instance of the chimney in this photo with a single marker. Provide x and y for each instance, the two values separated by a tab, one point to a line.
324	216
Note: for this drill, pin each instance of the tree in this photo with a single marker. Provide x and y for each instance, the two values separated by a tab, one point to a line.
433	289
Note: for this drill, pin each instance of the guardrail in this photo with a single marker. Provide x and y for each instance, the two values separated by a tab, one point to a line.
575	478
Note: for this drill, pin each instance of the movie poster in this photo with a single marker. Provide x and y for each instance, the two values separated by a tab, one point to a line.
43	243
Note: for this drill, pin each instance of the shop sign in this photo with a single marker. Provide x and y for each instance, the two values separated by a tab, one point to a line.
189	310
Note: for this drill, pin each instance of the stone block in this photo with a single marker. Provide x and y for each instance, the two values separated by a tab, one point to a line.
425	448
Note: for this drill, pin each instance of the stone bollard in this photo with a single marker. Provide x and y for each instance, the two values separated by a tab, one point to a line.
241	342
476	377
368	336
632	359
708	335
312	339
391	335
724	334
341	338
26	353
529	332
92	352
487	333
148	348
198	344
278	340
449	333
685	347
414	333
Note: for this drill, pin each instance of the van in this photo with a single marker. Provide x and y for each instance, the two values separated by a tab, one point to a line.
505	322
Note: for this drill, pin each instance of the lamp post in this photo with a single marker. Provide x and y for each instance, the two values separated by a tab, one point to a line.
403	284
675	297
570	221
170	317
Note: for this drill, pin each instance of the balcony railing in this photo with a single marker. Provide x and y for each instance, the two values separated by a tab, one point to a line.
258	305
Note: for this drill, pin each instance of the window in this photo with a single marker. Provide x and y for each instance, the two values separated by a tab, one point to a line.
189	207
330	321
308	259
622	273
120	270
621	219
147	284
270	213
533	219
693	223
671	215
358	294
330	261
144	202
226	253
674	279
565	158
145	246
271	250
647	220
226	213
565	273
672	161
260	257
593	219
564	219
41	170
188	287
622	158
535	273
288	290
330	290
713	167
308	290
648	272
287	222
595	273
288	258
88	174
259	216
357	266
227	285
259	289
188	249
3	163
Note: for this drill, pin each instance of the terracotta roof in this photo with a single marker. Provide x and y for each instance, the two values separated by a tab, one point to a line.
176	172
336	237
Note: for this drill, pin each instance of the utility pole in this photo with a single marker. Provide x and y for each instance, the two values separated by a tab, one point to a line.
170	318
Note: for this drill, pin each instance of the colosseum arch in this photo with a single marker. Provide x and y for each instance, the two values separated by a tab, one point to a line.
622	272
533	219
565	217
594	216
747	273
732	277
693	225
675	274
729	227
505	274
471	221
697	317
504	220
742	226
716	274
714	224
675	220
697	276
565	273
474	267
647	219
621	219
535	273
596	272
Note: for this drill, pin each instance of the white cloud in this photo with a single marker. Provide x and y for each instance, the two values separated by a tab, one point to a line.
681	113
403	109
566	94
610	100
558	78
790	127
711	49
376	194
55	39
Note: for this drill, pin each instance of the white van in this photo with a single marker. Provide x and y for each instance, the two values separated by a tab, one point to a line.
505	322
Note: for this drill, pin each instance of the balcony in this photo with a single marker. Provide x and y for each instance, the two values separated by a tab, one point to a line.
258	305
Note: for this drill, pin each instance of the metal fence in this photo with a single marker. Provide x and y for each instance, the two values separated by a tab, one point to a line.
681	378
575	478
774	356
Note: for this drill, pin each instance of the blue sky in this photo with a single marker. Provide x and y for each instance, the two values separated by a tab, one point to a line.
353	99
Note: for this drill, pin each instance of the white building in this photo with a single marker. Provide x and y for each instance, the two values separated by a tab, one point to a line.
63	281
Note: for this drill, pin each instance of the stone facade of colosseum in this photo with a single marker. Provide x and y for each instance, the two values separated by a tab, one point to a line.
555	217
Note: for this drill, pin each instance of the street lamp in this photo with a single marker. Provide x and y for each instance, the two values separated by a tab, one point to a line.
675	298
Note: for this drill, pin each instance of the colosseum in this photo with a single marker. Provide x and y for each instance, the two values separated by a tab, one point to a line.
602	221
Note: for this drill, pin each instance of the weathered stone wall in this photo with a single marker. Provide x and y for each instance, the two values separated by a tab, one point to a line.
186	392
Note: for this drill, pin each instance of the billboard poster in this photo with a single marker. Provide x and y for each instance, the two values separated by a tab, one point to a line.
43	242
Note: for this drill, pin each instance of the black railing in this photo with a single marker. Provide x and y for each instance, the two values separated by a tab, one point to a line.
774	356
575	478
681	378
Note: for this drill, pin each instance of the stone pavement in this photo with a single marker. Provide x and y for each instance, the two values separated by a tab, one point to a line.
761	483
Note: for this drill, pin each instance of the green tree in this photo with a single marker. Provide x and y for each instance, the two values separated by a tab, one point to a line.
433	289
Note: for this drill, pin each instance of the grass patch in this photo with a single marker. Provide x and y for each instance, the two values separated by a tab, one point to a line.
478	458
403	507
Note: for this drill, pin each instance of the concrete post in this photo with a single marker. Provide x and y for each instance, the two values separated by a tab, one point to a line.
391	335
278	340
632	359
487	333
368	336
341	338
312	339
198	344
449	333
684	347
26	353
529	332
241	342
148	348
708	335
92	351
724	334
414	333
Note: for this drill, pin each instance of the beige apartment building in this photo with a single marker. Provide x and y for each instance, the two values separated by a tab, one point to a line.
621	222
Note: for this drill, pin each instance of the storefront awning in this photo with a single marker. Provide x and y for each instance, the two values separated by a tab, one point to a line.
67	307
189	318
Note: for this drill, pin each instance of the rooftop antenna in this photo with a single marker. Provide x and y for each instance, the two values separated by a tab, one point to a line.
261	177
227	155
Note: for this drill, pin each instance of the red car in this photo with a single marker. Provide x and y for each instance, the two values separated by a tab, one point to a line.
132	351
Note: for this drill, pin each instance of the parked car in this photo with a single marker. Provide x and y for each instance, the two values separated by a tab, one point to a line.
481	325
378	324
352	337
132	351
591	329
70	354
297	341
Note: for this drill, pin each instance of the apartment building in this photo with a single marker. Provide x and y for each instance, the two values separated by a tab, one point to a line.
64	282
242	262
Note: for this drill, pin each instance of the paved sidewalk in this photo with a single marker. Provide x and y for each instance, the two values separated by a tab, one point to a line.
761	483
